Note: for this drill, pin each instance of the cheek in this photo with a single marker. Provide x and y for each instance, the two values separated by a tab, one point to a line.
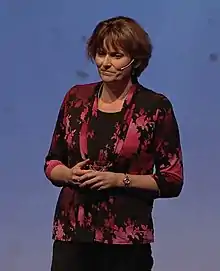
120	63
98	61
126	73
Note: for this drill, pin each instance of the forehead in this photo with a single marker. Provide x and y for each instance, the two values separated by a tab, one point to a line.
109	44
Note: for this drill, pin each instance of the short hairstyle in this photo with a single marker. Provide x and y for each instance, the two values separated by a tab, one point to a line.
122	33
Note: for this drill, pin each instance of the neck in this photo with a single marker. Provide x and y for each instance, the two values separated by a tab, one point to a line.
115	90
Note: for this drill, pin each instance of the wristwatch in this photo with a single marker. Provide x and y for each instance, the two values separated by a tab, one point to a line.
127	180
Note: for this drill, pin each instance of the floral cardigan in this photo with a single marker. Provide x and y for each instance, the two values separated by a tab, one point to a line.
146	141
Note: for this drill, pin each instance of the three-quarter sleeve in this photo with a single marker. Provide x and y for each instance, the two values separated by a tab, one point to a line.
168	154
57	154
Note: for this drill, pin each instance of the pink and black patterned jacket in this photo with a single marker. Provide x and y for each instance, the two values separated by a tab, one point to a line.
146	142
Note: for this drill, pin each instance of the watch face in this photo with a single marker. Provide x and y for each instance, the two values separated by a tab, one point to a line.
127	181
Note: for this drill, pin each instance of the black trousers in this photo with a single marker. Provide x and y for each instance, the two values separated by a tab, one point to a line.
69	256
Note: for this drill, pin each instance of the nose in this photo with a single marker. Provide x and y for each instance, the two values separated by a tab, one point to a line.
106	61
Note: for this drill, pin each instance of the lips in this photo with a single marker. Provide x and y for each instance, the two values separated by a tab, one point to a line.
106	72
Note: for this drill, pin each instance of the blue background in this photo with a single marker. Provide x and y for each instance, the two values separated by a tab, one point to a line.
42	56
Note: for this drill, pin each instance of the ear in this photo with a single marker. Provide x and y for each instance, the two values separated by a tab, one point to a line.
136	64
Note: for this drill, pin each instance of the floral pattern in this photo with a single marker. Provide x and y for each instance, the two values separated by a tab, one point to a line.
144	141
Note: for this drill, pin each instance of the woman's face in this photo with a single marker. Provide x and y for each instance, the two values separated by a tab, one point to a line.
113	65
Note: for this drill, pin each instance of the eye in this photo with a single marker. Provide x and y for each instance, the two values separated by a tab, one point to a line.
101	53
117	55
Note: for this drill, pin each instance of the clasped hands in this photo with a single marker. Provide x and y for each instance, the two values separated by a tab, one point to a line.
93	179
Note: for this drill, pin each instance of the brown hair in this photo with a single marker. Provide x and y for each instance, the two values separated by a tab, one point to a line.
126	34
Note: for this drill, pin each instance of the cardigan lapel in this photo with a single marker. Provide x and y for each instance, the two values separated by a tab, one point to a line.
121	131
89	111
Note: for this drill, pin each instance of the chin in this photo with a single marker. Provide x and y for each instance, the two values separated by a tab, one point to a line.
107	78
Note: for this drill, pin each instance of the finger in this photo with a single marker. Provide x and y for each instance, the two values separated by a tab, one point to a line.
75	182
103	187
75	178
82	164
88	175
81	172
97	185
89	182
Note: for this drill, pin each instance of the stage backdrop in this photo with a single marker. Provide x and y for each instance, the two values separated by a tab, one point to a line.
42	56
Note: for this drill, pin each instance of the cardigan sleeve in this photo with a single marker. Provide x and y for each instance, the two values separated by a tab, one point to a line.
58	152
168	154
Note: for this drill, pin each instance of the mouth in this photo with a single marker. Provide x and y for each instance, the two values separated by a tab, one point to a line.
106	73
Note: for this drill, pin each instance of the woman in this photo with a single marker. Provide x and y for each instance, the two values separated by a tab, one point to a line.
115	149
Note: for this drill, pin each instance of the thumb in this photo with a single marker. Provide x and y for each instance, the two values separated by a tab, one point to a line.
82	164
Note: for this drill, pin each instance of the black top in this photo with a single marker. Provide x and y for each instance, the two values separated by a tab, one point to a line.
103	127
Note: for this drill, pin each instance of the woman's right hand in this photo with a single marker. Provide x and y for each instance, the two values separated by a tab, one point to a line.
77	171
62	175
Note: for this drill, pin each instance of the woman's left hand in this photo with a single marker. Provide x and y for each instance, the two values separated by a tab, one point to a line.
100	180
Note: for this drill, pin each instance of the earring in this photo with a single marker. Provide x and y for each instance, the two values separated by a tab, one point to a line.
133	72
